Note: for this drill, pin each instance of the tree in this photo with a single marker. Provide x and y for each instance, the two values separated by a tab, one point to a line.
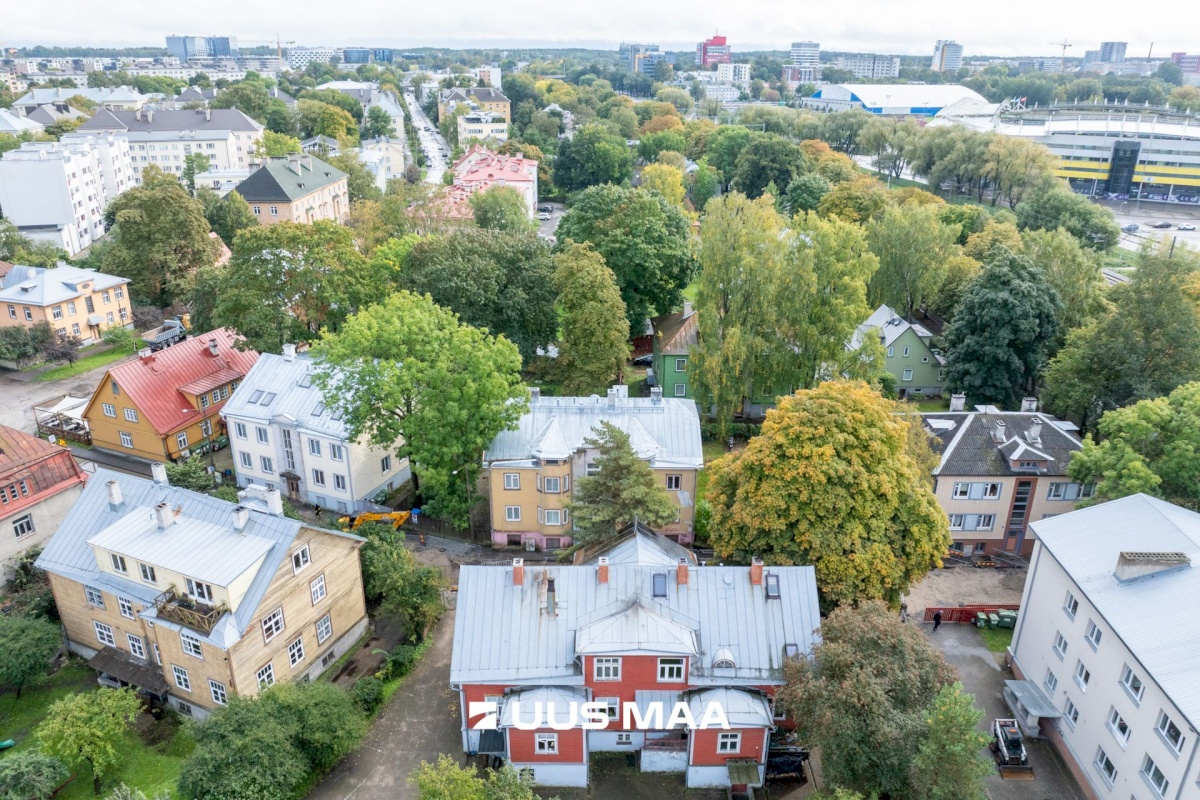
446	389
890	141
831	482
249	97
706	182
501	208
623	490
864	696
651	145
194	164
317	118
948	765
378	123
723	146
360	180
858	200
805	193
912	245
275	145
993	234
666	180
446	780
325	722
191	474
494	280
31	775
595	332
1014	165
767	159
62	347
591	157
645	241
89	729
286	282
1052	205
1073	272
409	589
1002	329
160	235
28	645
229	215
123	792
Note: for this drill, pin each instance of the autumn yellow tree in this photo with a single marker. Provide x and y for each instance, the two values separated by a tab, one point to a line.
666	180
832	482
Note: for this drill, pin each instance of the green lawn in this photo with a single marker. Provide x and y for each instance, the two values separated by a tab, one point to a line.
712	451
996	640
151	768
84	364
932	404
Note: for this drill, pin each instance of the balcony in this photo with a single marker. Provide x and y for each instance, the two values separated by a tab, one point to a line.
187	612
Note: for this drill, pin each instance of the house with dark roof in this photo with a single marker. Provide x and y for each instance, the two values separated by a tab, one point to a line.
673	337
909	355
297	188
999	471
474	99
193	600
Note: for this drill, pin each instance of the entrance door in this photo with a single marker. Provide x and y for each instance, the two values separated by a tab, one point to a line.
1124	160
293	487
1018	516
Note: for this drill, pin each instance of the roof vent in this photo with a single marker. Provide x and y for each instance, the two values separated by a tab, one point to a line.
602	569
723	659
958	402
1134	565
518	571
289	352
999	432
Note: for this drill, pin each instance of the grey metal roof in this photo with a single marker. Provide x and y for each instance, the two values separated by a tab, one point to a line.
38	286
203	119
743	708
562	698
637	629
964	440
503	633
118	94
278	388
1157	616
666	431
890	326
637	544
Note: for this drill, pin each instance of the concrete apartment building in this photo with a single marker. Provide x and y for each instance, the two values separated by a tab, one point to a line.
297	188
57	191
284	436
194	600
806	54
869	65
482	125
733	73
165	137
529	471
74	301
947	56
1107	636
1000	471
39	481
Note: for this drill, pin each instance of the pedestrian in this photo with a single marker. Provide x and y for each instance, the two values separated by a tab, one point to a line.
937	620
317	513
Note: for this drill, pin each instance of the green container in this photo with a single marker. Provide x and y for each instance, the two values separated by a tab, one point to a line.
980	619
993	620
1008	619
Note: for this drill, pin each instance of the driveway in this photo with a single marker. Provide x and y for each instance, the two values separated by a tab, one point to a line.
983	677
18	394
421	722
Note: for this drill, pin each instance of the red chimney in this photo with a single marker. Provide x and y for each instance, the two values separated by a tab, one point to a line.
602	569
681	572
756	571
518	572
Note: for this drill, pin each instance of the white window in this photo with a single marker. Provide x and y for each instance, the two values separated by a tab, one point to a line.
1093	634
607	669
94	597
1066	491
104	634
23	526
126	606
891	351
191	645
991	491
109	409
319	477
296	651
545	742
257	210
674	483
314	446
729	742
612	707
317	589
131	415
670	670
336	452
1133	684
157	655
324	629
261	433
1118	726
385	464
181	440
126	439
136	646
239	428
553	516
1060	644
339	482
512	480
272	624
906	352
1071	605
1155	776
1170	732
148	574
118	562
552	486
217	690
1107	768
300	559
681	390
907	374
1050	682
1083	675
512	513
268	466
181	678
624	738
199	591
247	459
1070	713
266	677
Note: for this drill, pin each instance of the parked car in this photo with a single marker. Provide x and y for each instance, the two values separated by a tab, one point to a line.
545	215
1131	228
1187	226
547	209
644	361
1161	225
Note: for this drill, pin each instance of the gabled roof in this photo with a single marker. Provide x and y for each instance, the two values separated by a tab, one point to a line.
14	123
676	332
287	180
171	120
41	286
744	708
45	468
475	93
890	325
48	114
37	97
192	94
637	544
153	384
278	388
637	629
967	448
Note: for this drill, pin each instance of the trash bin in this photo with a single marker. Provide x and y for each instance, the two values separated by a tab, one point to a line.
980	619
1008	619
993	620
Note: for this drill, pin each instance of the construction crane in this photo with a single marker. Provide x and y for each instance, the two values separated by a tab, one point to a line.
279	45
1062	59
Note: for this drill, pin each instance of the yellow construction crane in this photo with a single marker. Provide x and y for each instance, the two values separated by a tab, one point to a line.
279	45
1062	59
393	518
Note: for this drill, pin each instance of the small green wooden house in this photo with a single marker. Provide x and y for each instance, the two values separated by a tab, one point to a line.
918	368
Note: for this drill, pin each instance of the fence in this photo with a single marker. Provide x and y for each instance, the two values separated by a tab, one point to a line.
967	613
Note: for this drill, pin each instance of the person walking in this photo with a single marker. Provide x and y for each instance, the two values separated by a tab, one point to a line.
937	620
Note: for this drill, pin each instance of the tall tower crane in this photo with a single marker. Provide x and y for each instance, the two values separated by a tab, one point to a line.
1062	59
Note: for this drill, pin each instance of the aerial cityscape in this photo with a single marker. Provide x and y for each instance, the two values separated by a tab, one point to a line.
550	417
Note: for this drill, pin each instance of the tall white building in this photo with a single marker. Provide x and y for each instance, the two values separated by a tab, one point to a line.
733	73
57	191
869	65
806	54
1113	52
1108	635
283	436
947	56
298	58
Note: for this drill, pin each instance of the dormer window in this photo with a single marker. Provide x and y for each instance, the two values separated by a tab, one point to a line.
1028	464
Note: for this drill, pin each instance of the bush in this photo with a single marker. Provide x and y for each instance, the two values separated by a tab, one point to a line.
400	661
367	694
711	431
30	776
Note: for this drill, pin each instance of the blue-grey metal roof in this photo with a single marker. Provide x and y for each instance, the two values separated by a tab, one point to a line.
276	386
504	633
1155	616
639	545
39	286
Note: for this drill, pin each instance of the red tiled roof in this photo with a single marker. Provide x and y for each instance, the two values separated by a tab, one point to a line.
45	468
5	268
154	383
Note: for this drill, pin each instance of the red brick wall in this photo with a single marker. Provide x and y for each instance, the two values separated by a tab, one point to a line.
704	747
522	749
638	673
477	693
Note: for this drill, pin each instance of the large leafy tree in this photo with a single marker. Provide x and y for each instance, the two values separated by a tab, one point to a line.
913	246
408	589
159	234
286	282
249	97
857	200
624	489
767	159
378	123
360	182
1015	165
595	332
1052	205
667	181
491	279
948	764
863	698
1002	329
89	729
276	145
1072	270
28	645
890	141
227	215
723	146
31	775
645	241
408	369
501	208
591	157
831	482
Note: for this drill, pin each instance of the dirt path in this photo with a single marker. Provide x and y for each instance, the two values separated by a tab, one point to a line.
18	397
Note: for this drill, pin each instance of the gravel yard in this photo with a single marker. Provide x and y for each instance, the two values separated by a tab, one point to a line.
955	586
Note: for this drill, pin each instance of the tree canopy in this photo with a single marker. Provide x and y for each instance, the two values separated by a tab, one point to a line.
89	729
28	645
595	332
591	157
501	208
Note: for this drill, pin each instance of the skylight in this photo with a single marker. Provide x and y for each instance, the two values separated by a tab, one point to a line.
267	400
318	409
257	394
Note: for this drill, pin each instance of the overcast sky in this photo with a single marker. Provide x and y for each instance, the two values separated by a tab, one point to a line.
1013	27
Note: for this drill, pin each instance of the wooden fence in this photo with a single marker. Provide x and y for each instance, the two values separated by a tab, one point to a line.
967	613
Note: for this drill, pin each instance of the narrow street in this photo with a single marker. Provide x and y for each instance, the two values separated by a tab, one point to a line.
431	142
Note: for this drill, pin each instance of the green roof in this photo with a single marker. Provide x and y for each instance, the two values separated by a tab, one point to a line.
288	179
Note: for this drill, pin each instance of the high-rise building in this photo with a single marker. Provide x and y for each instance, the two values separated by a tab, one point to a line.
647	63
947	56
1090	58
1188	62
383	54
713	51
222	46
806	54
733	73
1113	52
185	47
356	55
629	52
300	57
869	65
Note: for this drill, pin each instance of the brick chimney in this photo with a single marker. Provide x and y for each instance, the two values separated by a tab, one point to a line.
681	572
756	571
163	516
601	569
158	472
518	572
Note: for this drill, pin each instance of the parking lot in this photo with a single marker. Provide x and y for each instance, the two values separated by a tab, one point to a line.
1149	214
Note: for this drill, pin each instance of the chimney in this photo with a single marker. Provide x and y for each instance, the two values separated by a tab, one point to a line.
756	571
158	473
149	115
1133	565
146	354
535	394
602	569
687	308
212	346
518	572
241	515
1034	434
274	502
999	432
958	402
207	114
612	397
294	164
681	572
1029	403
656	396
289	352
114	495
138	115
163	516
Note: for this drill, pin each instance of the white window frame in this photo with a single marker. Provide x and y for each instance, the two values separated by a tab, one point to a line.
118	563
324	629
273	624
94	596
137	647
624	738
729	742
314	447
126	439
545	743
612	707
246	459
109	409
219	695
199	591
671	670
1105	766
148	573
1071	713
1134	686
23	526
267	464
261	435
239	428
1118	727
182	679
385	464
512	481
681	390
336	452
181	439
191	645
265	676
1071	605
1083	675
339	482
318	476
1060	645
1165	724
606	668
674	483
512	513
301	559
1050	681
558	518
316	589
1093	634
131	415
295	651
104	633
557	484
1160	785
907	374
126	607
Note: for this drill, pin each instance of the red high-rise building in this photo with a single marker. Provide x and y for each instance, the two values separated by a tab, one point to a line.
714	51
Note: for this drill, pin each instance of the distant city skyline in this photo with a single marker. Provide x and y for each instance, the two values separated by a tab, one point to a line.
1026	28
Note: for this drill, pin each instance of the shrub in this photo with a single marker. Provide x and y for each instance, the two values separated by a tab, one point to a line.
367	694
400	661
30	776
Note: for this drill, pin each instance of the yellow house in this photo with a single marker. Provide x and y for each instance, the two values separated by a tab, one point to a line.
475	99
76	302
193	600
167	404
530	471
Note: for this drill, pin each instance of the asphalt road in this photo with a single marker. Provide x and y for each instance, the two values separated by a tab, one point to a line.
431	140
1150	213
